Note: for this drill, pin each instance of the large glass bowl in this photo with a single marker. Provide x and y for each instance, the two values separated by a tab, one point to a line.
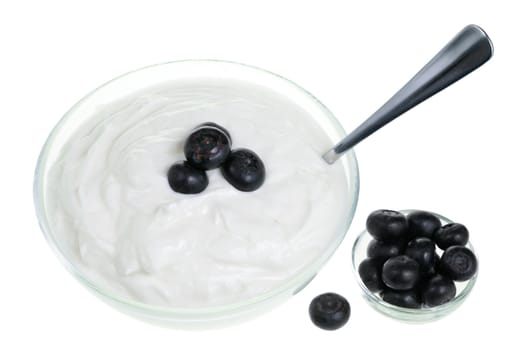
422	315
136	80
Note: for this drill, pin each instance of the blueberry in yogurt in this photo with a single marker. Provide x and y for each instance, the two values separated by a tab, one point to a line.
183	178
244	170
216	126
208	146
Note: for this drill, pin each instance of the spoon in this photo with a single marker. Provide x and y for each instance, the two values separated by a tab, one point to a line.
468	50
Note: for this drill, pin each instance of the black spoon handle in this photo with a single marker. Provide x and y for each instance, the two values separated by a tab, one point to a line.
468	50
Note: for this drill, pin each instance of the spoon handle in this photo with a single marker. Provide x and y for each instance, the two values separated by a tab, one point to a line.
468	50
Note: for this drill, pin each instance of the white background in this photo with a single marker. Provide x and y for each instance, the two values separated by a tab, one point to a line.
459	154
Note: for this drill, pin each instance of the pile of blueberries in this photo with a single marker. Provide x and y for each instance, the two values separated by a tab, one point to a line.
403	265
209	147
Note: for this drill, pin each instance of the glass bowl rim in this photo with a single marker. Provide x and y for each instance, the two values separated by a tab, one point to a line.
301	277
402	312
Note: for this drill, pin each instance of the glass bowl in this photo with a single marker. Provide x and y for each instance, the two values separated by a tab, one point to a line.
152	75
422	315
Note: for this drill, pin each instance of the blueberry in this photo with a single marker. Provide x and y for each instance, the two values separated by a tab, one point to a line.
409	298
438	290
422	250
434	270
216	126
458	263
423	223
382	250
207	147
184	178
387	225
400	273
370	273
244	170
451	234
329	311
425	276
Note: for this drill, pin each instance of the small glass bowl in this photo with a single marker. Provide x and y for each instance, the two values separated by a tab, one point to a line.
131	82
422	315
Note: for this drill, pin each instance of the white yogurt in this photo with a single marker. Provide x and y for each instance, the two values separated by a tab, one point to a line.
115	217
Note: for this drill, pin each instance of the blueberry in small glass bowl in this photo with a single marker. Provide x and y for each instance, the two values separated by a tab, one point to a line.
421	314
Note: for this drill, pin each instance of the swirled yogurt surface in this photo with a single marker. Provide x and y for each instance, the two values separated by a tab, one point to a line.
116	219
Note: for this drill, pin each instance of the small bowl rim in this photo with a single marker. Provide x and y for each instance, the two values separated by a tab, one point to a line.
408	314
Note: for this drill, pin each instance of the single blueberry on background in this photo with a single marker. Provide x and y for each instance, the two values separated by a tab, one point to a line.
329	311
